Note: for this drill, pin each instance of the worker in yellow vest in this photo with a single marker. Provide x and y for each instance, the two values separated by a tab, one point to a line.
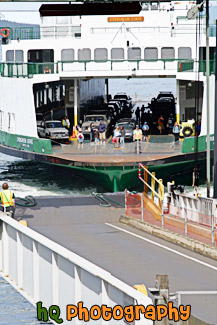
7	199
66	123
137	137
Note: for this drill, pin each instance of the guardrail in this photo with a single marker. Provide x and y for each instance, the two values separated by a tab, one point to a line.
194	65
152	186
50	273
200	210
20	69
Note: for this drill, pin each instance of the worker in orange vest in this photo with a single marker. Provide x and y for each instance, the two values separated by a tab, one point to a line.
7	199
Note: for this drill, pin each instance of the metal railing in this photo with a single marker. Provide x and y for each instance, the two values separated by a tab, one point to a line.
159	193
20	69
39	32
199	210
48	272
193	65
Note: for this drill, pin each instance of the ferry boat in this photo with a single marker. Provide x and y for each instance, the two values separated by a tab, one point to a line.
64	72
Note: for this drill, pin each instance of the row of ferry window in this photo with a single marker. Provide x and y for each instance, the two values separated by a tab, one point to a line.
133	53
11	121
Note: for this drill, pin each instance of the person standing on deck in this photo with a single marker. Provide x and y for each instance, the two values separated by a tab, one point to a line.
91	130
145	129
7	200
170	123
122	137
137	112
137	137
102	130
80	138
161	124
176	131
66	123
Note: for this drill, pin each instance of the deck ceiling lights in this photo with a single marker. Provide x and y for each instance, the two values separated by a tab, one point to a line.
114	8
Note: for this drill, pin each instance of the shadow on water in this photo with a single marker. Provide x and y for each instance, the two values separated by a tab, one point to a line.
47	177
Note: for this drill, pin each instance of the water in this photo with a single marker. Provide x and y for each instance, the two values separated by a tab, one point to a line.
142	89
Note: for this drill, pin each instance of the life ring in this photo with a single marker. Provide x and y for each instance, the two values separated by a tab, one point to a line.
187	131
5	30
180	66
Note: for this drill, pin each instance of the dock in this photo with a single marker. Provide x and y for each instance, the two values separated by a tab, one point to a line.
81	225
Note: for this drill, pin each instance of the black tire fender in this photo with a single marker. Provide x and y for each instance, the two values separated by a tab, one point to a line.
187	131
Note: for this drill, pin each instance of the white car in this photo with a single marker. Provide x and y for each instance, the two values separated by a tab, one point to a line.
53	130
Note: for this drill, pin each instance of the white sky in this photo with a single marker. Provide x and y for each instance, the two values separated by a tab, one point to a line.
27	12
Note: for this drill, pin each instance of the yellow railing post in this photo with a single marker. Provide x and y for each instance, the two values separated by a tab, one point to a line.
152	185
160	189
145	180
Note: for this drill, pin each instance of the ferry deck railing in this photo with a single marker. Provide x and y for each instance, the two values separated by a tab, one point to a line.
21	69
195	66
47	272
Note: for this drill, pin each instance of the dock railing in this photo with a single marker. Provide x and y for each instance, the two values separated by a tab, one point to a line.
195	211
147	206
45	271
156	187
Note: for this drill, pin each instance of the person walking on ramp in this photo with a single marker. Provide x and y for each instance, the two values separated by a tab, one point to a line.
7	200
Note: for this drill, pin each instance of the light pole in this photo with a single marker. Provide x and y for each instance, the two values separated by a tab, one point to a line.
207	101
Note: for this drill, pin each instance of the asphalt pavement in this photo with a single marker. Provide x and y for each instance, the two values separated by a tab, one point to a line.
94	232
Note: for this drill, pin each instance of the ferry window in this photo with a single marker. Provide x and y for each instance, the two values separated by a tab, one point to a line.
184	53
67	55
41	56
167	53
202	53
117	54
11	122
84	55
134	53
10	56
1	119
151	53
19	56
101	54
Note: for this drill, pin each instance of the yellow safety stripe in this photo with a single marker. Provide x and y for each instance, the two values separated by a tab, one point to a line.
4	198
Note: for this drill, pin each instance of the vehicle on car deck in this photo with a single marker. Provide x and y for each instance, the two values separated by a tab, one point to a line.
95	118
53	130
129	126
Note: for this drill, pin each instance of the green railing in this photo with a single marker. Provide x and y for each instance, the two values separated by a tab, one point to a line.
183	66
16	69
202	66
24	33
189	66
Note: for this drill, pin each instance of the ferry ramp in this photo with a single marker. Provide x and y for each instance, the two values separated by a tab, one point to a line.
94	232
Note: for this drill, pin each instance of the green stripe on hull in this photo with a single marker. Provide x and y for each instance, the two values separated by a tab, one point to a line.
22	142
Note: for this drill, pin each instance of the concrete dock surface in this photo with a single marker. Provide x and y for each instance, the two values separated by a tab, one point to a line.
95	233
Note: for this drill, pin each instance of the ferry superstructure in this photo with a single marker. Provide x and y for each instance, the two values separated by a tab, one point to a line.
79	51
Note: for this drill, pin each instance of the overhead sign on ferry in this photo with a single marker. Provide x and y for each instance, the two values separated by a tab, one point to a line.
124	19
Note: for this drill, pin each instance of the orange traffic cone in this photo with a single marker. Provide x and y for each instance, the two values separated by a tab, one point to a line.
73	137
